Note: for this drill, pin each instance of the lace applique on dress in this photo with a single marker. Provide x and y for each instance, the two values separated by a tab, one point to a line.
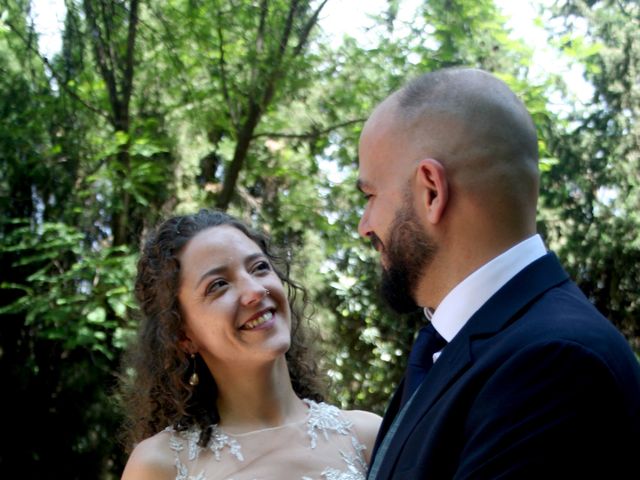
219	440
325	418
356	465
323	422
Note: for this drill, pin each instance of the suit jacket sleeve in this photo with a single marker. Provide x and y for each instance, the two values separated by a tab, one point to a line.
545	406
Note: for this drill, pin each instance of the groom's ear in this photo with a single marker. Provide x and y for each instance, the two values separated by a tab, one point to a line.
432	179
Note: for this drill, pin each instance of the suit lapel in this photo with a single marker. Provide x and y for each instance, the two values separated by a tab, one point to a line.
501	309
389	415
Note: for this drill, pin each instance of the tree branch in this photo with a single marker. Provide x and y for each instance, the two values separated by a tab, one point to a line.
270	86
258	65
127	81
311	134
223	76
101	59
304	35
59	80
172	48
624	10
106	39
286	31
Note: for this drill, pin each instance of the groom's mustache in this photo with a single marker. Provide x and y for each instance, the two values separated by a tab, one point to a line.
376	242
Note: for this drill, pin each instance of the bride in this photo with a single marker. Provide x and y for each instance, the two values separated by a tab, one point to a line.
220	383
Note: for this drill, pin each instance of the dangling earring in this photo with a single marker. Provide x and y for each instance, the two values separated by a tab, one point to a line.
266	292
194	379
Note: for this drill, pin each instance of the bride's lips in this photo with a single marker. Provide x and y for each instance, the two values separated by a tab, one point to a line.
261	320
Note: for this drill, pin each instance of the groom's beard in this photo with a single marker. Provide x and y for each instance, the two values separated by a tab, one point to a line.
408	252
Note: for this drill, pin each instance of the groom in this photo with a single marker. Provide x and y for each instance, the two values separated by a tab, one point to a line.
515	375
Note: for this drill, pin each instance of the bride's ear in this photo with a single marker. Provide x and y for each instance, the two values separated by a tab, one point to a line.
187	345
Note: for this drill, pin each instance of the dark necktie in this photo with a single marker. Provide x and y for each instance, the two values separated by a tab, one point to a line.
428	342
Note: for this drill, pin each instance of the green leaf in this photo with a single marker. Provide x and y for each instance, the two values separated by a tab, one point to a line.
98	315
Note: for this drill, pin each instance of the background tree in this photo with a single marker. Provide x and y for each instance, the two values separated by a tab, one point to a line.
592	193
152	108
370	359
56	351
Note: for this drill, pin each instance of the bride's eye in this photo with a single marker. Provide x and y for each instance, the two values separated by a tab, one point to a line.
262	266
215	286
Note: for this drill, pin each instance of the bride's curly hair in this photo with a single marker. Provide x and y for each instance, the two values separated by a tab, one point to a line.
154	387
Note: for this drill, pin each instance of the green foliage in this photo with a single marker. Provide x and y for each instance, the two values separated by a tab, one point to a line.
170	106
74	303
592	192
369	361
76	295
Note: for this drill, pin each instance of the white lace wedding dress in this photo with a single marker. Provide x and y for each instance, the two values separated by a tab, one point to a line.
322	447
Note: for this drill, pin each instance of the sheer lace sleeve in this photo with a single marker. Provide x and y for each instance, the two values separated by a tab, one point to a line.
322	447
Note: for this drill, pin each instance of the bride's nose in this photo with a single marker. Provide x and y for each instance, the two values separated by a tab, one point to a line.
252	292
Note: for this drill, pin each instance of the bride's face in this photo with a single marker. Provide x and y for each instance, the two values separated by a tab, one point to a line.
232	302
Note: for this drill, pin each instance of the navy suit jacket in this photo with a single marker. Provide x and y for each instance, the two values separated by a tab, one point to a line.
537	384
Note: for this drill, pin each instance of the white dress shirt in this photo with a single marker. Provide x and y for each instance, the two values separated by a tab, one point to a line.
468	296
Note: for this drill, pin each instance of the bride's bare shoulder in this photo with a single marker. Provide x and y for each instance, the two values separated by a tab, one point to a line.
365	425
151	459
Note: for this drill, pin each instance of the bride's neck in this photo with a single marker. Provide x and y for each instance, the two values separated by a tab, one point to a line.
260	398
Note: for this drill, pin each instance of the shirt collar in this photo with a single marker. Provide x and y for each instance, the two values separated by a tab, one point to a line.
468	296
